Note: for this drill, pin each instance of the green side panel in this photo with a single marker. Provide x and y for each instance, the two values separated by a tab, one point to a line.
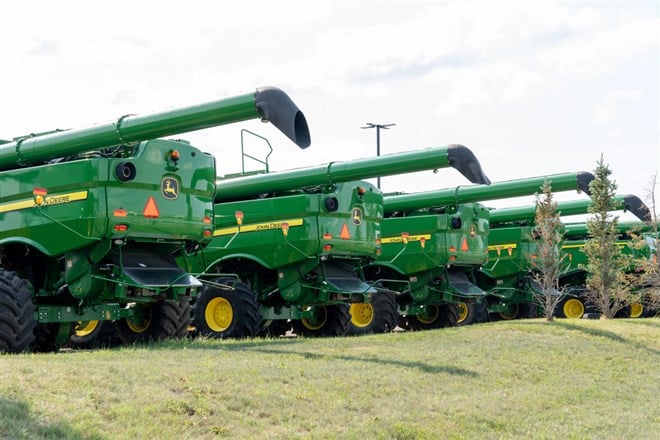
165	199
459	237
73	213
508	251
351	230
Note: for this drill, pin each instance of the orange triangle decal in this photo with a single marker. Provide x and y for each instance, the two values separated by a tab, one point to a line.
464	245
344	234
151	209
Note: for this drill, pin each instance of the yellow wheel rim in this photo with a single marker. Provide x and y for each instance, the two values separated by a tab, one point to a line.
142	319
463	311
219	314
430	316
573	308
636	310
511	313
362	314
85	328
316	324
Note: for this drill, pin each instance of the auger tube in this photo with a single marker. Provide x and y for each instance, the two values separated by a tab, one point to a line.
629	203
479	193
268	103
457	156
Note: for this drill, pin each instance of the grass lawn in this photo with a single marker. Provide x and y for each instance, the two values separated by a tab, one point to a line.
519	379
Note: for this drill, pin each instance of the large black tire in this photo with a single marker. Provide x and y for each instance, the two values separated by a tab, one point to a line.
156	321
472	313
334	321
277	328
444	315
528	311
17	321
378	316
45	337
227	313
93	334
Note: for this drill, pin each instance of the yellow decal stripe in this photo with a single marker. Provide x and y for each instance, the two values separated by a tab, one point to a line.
573	246
55	199
398	239
257	227
502	247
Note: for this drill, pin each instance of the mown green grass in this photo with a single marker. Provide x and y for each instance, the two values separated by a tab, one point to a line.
520	379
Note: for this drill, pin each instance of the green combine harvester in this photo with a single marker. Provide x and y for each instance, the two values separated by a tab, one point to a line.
435	242
508	275
288	247
92	220
575	305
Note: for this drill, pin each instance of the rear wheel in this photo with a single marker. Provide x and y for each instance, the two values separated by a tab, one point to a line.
636	310
93	334
378	316
571	308
155	321
227	313
472	313
510	313
17	321
328	321
436	316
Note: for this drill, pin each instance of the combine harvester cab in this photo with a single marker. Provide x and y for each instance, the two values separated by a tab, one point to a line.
92	220
509	271
294	244
450	292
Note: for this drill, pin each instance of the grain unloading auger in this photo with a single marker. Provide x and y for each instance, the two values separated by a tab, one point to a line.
292	244
434	243
91	221
508	274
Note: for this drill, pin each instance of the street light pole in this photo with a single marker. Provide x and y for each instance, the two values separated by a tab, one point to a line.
378	127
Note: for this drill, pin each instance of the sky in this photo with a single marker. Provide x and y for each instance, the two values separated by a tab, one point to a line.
532	88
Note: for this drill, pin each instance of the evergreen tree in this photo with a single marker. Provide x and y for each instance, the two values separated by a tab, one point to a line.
550	260
608	286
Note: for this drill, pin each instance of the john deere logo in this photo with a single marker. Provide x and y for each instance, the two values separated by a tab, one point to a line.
170	188
356	216
473	231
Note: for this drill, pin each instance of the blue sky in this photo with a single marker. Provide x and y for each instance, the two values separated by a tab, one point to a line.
531	88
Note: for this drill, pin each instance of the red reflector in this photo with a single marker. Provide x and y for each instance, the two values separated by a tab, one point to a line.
404	237
150	209
452	257
121	228
344	234
327	236
327	247
239	217
422	241
207	220
464	245
452	248
174	155
39	191
207	233
379	251
285	228
378	241
120	213
361	191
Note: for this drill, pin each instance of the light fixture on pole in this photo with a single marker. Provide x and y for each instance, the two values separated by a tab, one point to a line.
378	127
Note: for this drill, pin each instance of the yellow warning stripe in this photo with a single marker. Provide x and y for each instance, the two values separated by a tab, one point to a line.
399	239
573	246
257	227
502	247
55	199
